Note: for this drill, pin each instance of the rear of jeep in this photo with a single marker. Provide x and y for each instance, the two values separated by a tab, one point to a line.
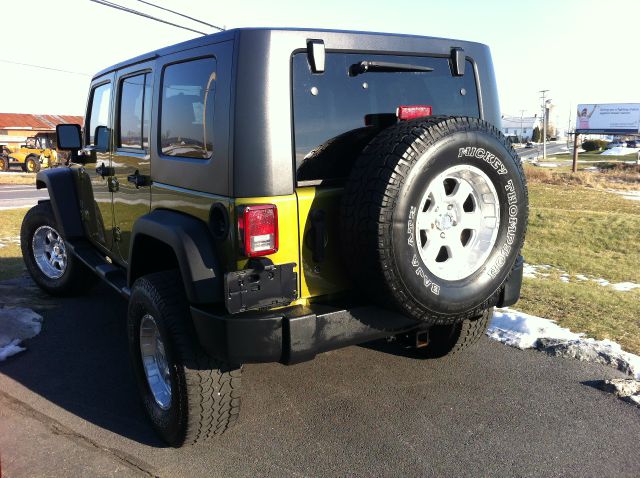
267	195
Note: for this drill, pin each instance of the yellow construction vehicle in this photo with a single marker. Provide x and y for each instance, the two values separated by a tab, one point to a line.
38	152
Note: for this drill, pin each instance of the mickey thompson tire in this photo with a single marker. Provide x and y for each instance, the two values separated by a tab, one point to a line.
434	216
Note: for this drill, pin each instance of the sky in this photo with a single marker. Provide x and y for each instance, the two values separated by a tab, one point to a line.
582	51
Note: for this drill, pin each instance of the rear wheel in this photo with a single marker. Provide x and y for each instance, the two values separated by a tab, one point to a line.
188	395
452	338
46	256
4	163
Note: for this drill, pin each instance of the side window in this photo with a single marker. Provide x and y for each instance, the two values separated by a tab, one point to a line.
99	110
186	119
134	112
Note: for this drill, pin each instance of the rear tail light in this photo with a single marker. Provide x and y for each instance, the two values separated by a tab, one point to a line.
413	112
258	229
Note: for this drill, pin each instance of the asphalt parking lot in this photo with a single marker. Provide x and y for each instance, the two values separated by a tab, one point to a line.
68	407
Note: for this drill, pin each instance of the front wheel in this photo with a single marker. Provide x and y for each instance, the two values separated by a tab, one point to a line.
45	253
4	163
188	395
32	165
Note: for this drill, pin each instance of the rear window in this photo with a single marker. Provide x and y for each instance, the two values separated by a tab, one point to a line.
329	109
186	119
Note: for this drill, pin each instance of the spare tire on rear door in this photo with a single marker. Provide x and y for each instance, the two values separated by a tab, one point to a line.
434	216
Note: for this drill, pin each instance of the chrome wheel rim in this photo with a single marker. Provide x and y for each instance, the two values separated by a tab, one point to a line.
49	252
457	222
154	360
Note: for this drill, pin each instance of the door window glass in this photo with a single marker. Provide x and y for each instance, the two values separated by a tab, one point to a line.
186	122
99	113
135	112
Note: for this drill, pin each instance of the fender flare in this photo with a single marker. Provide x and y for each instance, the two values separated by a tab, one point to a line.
194	247
64	200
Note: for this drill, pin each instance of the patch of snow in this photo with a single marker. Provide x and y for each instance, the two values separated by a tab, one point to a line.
548	165
624	286
10	349
16	325
625	389
533	271
619	151
630	195
525	331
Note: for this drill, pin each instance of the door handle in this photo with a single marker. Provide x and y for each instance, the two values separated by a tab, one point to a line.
104	171
139	180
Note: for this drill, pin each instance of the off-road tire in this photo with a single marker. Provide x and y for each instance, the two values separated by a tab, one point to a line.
205	392
453	338
77	277
31	165
381	197
4	163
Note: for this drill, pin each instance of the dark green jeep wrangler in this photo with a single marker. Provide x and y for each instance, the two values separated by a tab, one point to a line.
264	195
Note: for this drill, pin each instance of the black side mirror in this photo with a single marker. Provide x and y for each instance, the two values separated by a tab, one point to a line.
68	137
103	139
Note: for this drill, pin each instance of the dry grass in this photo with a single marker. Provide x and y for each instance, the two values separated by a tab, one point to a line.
12	177
11	264
577	227
608	176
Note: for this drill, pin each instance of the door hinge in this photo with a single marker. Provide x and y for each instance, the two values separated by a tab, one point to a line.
117	234
113	184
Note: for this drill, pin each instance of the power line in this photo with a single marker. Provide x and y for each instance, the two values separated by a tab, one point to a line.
150	17
43	67
181	14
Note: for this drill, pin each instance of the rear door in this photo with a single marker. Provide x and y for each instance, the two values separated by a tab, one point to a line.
131	157
335	115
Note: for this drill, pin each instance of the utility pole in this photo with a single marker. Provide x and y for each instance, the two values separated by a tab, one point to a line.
544	124
521	115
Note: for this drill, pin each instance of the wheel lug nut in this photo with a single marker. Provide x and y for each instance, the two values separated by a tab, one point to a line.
450	206
442	235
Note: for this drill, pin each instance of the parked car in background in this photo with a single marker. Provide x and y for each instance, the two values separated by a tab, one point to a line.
529	144
615	144
634	143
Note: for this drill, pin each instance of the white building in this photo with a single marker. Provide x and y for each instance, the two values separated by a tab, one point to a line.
520	128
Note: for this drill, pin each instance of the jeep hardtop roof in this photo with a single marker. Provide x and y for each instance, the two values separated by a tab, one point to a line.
257	157
236	33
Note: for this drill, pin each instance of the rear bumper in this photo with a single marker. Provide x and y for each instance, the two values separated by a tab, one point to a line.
293	334
296	334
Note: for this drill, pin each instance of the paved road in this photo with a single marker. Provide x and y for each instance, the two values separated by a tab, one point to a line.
529	154
68	407
17	195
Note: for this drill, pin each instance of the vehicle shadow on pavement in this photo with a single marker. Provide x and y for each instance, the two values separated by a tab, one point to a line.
80	363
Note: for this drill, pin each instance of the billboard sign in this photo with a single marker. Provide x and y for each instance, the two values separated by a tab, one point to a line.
611	118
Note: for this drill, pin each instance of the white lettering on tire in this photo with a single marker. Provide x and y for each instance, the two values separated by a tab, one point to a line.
505	250
428	283
487	156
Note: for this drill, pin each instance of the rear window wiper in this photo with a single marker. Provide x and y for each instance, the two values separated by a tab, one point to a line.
384	67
